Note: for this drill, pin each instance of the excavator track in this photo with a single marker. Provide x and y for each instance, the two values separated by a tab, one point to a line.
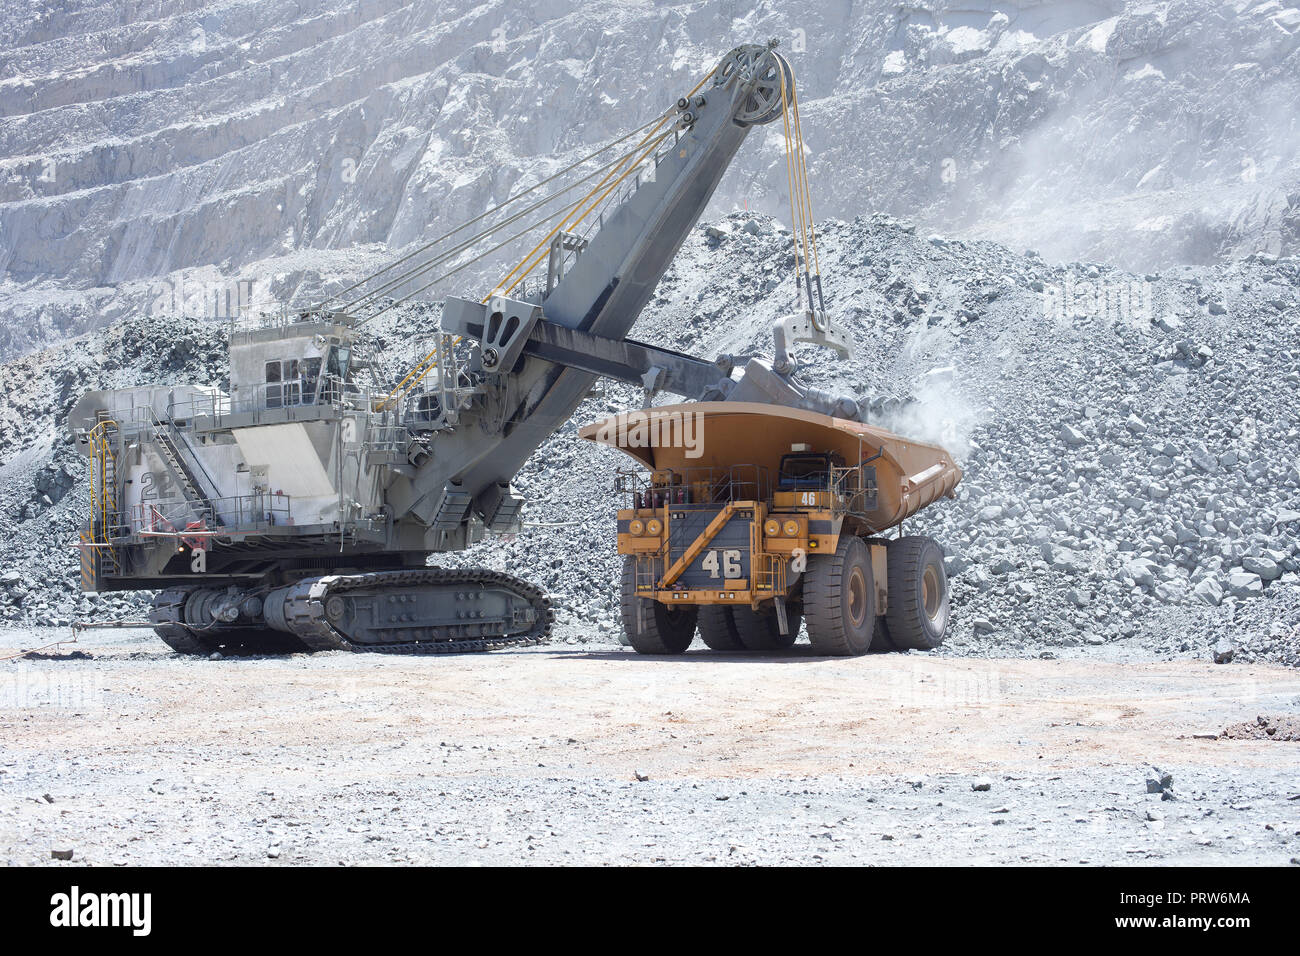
313	614
170	624
168	616
417	611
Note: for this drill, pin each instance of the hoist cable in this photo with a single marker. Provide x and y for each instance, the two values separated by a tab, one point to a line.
505	202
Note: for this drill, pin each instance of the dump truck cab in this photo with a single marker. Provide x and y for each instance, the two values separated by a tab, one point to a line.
804	470
769	517
729	534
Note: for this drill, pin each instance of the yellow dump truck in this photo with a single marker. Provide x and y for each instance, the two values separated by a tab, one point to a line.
750	518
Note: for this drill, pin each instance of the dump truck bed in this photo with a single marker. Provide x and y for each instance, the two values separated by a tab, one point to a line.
910	474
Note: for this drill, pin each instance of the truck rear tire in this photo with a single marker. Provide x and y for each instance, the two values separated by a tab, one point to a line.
881	643
718	628
917	612
760	630
839	599
662	629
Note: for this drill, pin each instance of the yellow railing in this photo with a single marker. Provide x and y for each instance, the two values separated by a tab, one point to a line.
103	494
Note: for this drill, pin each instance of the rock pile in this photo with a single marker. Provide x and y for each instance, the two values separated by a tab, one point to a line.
1131	444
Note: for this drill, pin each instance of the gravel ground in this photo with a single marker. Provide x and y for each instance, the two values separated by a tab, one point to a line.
127	754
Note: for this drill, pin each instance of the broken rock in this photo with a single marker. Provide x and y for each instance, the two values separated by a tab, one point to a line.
1243	584
1158	781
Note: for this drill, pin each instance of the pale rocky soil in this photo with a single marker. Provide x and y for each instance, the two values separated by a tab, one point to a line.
133	755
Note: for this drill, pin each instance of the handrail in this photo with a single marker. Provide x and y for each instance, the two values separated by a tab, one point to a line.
705	484
150	517
103	486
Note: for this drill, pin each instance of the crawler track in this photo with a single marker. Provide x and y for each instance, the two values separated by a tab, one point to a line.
338	613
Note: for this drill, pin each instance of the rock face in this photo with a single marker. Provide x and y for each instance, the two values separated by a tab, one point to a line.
153	157
1122	399
1125	539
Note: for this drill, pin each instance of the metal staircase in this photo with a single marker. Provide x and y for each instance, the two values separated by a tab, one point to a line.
169	443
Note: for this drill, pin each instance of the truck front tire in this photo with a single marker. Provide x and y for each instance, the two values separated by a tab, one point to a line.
654	628
839	599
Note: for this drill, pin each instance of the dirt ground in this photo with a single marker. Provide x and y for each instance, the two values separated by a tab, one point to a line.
125	753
